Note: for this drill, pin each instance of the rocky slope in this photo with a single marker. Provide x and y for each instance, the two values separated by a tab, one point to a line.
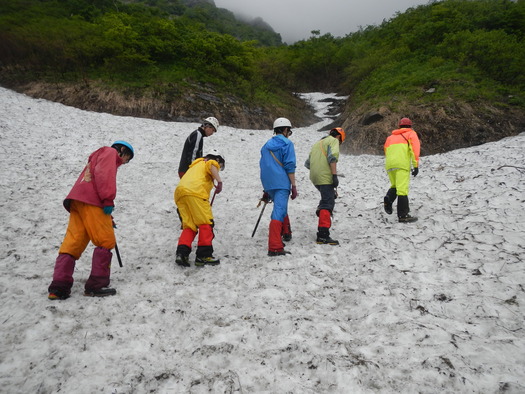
191	105
441	128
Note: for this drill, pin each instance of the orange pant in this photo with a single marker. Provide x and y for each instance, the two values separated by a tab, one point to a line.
87	223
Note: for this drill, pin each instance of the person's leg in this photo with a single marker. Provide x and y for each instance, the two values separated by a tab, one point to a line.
287	229
280	210
324	212
391	194
73	245
403	209
99	227
203	217
189	231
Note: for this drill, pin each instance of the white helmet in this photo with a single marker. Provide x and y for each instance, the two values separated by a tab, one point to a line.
281	122
213	121
216	155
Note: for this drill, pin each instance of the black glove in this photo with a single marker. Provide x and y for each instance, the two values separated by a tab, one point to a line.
265	198
415	171
335	181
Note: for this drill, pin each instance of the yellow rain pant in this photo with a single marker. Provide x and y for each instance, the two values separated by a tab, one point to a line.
399	180
194	211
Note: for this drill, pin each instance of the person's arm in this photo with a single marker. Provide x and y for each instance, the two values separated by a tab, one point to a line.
292	178
105	176
215	174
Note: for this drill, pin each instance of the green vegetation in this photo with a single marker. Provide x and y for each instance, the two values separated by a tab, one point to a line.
125	44
466	49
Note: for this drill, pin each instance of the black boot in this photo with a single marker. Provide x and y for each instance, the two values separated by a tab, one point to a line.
323	237
389	200
182	256
403	210
103	292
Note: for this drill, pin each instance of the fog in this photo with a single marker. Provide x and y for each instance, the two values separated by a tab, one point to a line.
295	19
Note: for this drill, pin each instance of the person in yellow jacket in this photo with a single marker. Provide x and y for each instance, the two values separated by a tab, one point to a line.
322	163
192	199
402	149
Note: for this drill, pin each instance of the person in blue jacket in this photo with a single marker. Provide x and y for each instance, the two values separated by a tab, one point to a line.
277	166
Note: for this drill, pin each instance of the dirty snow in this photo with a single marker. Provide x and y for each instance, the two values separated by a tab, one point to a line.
434	306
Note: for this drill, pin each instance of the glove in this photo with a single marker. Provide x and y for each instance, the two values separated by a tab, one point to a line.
335	181
108	209
218	188
265	198
415	171
294	192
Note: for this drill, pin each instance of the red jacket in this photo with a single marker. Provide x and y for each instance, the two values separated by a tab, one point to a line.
97	184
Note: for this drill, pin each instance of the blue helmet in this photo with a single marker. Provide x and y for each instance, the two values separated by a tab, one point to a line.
127	145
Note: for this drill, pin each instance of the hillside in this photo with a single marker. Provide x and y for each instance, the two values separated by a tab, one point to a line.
434	306
459	78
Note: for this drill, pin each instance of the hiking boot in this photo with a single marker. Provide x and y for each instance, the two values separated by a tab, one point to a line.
287	237
407	219
57	295
326	241
103	292
388	205
278	252
183	261
202	261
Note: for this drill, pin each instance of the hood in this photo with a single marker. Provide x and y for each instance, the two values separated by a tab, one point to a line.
401	131
277	142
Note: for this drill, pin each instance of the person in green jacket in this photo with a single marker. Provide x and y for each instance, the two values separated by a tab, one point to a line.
322	163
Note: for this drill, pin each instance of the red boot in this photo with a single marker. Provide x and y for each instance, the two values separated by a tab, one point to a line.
287	229
323	228
275	243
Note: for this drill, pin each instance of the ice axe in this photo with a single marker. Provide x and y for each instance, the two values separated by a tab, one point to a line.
260	216
118	256
116	246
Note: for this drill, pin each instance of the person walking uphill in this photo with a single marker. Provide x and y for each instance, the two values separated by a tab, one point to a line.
192	200
90	204
402	152
277	167
322	163
193	146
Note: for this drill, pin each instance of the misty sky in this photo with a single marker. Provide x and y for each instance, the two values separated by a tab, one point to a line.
295	19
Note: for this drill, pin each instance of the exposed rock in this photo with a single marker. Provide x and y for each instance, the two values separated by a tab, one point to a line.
371	117
174	105
441	128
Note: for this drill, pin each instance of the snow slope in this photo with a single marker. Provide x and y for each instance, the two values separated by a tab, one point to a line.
434	306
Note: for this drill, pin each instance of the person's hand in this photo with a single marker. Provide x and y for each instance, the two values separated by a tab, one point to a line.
265	198
218	188
335	180
294	192
415	171
108	209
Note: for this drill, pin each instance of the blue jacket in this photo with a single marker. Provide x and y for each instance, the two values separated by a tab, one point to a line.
274	175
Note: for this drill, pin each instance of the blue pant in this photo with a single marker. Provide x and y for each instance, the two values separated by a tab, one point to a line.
280	203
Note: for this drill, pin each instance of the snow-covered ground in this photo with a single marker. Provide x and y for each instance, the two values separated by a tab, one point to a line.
434	306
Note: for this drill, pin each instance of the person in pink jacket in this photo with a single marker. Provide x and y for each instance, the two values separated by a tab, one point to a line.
90	204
